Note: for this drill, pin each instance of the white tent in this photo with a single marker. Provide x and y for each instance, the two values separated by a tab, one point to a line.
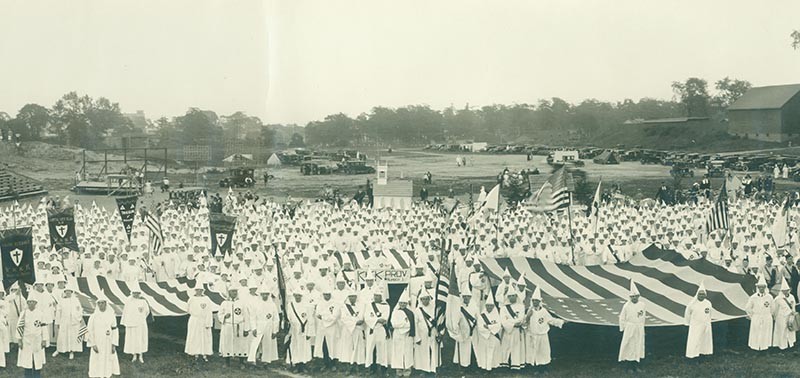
238	157
274	160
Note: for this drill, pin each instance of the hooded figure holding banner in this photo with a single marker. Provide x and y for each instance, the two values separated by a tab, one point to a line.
631	324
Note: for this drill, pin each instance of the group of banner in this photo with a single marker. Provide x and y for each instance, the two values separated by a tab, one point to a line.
16	245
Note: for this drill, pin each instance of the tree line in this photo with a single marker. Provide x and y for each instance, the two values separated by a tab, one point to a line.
548	119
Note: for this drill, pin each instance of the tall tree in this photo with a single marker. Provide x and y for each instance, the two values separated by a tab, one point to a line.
795	39
693	93
35	119
729	90
197	127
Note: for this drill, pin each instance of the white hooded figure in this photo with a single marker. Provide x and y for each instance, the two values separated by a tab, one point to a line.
537	342
4	337
103	338
759	311
199	338
404	334
32	327
698	318
782	309
134	318
487	350
265	326
426	350
631	324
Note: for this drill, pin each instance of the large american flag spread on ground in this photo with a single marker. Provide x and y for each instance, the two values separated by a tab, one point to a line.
595	294
360	260
167	298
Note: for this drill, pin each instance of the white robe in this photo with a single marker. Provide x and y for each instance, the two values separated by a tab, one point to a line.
134	318
631	323
301	331
352	341
198	329
698	318
4	339
759	310
265	323
426	352
537	341
782	307
513	343
69	315
34	324
102	333
377	336
402	341
327	331
488	349
235	321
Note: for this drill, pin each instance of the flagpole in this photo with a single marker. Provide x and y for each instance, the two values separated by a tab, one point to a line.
571	237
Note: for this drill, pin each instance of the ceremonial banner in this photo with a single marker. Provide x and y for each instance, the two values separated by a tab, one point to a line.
16	247
222	228
595	294
127	212
394	276
62	228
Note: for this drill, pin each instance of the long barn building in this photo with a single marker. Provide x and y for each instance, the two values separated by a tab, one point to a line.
767	113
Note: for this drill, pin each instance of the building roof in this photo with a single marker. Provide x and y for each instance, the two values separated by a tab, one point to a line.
394	188
664	120
772	97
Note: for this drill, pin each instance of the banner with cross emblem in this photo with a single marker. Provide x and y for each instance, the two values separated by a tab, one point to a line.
16	248
222	228
62	228
127	213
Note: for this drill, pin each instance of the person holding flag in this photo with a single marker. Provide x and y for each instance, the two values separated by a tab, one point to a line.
301	331
32	330
266	324
512	346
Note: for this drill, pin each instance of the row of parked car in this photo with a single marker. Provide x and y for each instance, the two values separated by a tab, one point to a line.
682	163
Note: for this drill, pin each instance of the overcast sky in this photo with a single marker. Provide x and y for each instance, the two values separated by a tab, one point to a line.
292	61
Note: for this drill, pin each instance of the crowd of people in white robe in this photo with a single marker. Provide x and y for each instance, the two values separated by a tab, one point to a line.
332	318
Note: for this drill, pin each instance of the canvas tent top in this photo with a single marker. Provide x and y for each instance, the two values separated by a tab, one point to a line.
607	157
274	160
238	157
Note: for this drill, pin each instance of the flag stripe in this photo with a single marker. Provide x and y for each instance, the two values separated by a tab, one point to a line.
595	294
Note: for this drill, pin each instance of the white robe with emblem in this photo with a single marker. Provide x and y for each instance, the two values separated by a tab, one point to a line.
134	318
198	330
700	339
265	323
759	310
102	333
631	323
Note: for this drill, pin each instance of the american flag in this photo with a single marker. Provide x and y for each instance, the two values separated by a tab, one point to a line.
21	326
554	193
156	236
82	330
595	294
718	218
443	289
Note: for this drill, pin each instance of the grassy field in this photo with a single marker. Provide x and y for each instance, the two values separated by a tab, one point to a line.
578	351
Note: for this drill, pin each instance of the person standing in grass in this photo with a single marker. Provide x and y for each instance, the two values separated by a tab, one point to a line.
69	316
631	324
134	318
199	341
103	337
759	311
32	328
698	317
